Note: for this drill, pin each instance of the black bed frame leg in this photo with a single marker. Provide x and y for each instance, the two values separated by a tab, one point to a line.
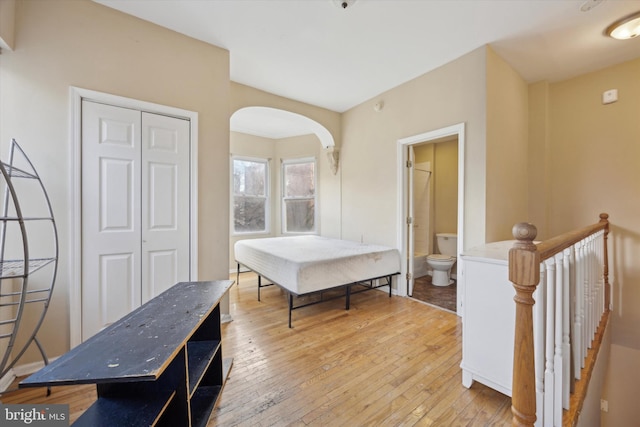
238	273
290	308
348	298
259	285
389	281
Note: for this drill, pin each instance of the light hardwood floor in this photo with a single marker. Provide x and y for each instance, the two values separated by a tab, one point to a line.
385	362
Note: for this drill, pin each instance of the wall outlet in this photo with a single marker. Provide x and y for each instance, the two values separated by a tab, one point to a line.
604	405
610	96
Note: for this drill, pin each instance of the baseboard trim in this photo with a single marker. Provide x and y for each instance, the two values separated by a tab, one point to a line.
20	371
7	380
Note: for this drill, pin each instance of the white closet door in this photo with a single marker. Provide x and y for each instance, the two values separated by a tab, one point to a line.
111	229
135	210
165	203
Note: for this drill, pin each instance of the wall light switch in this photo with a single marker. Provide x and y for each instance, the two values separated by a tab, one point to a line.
610	96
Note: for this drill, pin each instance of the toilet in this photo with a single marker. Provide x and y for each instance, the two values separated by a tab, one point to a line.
441	263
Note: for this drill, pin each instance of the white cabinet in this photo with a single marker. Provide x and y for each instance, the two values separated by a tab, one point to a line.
489	317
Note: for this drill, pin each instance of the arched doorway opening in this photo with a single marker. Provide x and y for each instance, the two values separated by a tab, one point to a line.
271	138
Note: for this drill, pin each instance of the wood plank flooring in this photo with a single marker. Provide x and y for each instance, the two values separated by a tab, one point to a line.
385	362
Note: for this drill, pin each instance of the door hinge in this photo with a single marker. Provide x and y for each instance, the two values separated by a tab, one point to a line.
409	164
409	276
409	220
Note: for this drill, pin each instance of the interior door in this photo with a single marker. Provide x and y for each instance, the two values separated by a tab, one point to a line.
165	203
135	210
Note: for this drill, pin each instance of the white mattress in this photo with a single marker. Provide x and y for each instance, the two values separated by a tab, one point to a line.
304	264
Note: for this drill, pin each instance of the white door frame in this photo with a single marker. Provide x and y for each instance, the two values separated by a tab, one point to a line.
403	202
76	96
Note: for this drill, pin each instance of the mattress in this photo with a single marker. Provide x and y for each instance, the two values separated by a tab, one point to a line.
305	264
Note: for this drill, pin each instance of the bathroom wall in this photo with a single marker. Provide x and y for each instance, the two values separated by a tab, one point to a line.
422	202
445	179
423	229
443	204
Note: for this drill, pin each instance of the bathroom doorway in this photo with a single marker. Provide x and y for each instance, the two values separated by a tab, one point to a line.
431	174
435	211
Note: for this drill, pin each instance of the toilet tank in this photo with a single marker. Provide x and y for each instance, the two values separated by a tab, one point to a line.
447	243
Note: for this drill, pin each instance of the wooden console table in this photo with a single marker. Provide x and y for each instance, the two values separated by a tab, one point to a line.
159	365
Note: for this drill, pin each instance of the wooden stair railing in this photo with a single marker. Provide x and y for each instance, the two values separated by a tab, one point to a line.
526	259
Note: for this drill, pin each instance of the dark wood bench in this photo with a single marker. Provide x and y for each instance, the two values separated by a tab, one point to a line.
159	365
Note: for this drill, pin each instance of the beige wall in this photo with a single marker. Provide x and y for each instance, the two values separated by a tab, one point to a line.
61	43
593	167
578	147
621	387
451	94
538	158
445	180
330	198
507	142
245	96
7	22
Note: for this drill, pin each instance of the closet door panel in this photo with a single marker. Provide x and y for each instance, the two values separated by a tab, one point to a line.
111	223
165	203
135	210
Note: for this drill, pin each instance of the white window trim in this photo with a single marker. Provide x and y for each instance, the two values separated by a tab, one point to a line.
267	219
283	210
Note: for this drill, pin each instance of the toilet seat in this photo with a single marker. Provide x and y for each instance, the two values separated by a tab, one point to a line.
439	257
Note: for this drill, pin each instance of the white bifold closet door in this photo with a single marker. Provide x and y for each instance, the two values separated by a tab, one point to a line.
135	210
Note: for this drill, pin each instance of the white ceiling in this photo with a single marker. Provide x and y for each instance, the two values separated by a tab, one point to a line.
316	52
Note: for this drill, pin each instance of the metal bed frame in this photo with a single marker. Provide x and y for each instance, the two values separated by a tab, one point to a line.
367	284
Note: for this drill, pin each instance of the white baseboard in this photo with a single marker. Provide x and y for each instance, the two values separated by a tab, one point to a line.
226	318
6	381
30	368
20	371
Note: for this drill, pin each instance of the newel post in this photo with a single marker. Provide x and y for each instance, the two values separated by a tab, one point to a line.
524	273
604	218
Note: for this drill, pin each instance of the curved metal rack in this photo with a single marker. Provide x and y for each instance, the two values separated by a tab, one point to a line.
18	285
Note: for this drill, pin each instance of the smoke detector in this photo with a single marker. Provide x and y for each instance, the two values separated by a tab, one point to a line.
589	4
344	4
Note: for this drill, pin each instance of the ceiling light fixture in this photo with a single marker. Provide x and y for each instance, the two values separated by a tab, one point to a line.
625	28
